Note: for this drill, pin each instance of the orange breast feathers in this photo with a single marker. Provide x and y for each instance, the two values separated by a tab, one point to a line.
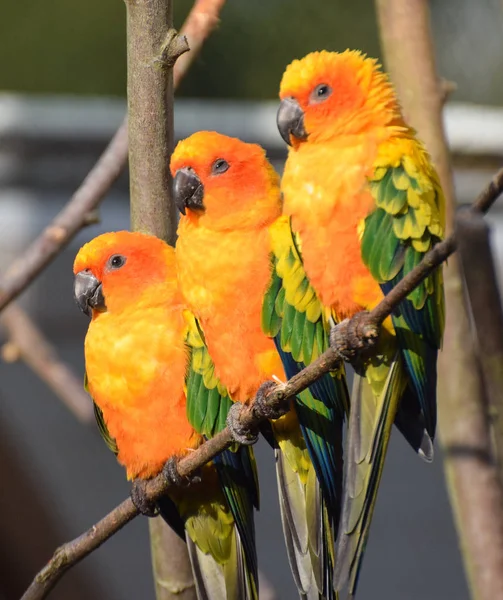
135	354
224	279
223	252
328	201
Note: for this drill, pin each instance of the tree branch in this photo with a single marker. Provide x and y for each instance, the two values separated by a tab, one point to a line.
201	21
481	285
28	343
153	49
250	418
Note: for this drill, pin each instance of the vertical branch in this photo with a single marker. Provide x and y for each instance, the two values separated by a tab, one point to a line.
153	47
172	570
475	493
472	233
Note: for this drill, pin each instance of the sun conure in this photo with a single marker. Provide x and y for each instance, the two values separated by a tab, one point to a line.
228	194
362	205
136	366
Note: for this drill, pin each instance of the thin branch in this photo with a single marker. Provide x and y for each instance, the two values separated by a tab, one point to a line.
26	342
201	21
73	552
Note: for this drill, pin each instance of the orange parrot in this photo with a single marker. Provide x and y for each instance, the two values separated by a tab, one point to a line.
136	367
228	194
362	205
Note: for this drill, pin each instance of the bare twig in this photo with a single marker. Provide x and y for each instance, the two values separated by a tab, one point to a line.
71	553
481	285
201	21
26	342
473	483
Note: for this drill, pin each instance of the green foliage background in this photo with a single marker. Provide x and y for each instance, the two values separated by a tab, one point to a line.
79	47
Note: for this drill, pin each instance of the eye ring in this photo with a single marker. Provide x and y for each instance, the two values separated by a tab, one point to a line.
116	262
219	166
320	93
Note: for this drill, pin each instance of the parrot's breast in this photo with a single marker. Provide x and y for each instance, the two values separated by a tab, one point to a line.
326	193
224	277
136	365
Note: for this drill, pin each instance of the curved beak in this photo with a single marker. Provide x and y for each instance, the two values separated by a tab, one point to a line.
88	293
290	120
188	190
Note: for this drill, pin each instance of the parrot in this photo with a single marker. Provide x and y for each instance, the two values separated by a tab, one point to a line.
137	362
228	195
362	204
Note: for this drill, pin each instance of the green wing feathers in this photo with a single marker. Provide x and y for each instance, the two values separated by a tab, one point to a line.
221	541
406	223
409	221
291	308
207	400
295	318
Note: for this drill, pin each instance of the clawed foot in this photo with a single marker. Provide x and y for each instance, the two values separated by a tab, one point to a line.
353	336
139	497
239	433
261	405
170	472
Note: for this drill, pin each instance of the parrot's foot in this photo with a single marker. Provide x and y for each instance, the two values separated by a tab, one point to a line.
261	405
171	474
139	497
239	433
353	336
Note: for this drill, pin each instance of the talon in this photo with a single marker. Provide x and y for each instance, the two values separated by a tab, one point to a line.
239	433
261	405
353	336
139	497
171	474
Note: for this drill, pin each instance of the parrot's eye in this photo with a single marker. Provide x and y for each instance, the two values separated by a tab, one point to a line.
320	93
116	261
219	166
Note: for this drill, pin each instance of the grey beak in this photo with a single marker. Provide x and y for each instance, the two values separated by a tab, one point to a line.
88	293
188	190
290	120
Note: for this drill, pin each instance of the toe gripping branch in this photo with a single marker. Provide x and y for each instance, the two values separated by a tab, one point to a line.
264	406
139	497
355	336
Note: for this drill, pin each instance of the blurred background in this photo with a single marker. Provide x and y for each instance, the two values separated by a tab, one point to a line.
62	87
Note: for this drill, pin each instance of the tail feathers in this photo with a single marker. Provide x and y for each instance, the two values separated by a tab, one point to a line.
410	422
231	580
369	430
306	539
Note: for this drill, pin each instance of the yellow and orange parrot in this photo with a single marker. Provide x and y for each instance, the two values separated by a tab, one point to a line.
136	367
362	205
228	194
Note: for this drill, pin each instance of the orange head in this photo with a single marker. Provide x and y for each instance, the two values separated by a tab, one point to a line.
326	94
116	271
224	183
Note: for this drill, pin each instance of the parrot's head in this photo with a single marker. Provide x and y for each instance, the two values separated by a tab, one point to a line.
224	183
327	94
115	271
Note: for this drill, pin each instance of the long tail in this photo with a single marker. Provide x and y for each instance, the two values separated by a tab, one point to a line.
374	404
219	528
229	580
306	524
